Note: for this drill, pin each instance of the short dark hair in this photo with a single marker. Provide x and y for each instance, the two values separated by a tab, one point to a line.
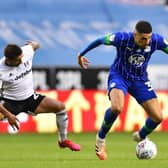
12	51
143	27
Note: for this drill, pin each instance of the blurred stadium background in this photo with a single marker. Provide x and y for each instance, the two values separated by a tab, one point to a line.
63	28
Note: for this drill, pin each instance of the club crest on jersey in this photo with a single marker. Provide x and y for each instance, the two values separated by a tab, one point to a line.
147	49
136	59
10	74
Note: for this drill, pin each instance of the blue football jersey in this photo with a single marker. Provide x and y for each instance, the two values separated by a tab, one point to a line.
131	60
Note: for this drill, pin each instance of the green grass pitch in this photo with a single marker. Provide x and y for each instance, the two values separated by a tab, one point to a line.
41	151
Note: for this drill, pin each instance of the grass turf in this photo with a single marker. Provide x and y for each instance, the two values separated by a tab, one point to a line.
42	151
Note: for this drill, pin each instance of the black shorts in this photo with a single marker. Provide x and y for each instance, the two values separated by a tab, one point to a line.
28	105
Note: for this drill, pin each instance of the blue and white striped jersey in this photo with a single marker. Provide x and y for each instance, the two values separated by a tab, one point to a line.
131	61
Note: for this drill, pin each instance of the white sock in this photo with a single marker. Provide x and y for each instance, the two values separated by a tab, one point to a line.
99	141
62	124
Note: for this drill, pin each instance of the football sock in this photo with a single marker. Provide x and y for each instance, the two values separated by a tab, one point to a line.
62	124
149	126
109	119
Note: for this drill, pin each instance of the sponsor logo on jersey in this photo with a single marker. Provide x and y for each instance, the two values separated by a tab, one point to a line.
136	59
23	74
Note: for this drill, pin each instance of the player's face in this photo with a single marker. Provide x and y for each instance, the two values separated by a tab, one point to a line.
142	39
14	62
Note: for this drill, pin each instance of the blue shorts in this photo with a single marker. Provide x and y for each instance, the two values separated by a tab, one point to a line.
139	89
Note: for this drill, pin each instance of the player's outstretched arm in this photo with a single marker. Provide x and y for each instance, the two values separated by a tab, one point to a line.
12	119
83	61
35	45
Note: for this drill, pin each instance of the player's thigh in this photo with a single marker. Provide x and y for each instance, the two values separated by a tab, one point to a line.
48	105
117	89
152	107
117	100
142	91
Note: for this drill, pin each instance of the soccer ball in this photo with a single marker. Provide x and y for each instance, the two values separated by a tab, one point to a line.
146	149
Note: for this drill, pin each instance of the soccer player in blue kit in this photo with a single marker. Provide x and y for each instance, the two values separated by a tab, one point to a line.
128	74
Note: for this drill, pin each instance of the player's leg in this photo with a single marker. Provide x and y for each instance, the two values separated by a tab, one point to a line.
144	94
49	105
116	91
117	102
153	110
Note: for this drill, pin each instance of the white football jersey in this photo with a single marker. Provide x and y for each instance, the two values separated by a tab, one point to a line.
16	83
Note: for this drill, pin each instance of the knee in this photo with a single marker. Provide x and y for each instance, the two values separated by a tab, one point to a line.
159	119
117	108
61	106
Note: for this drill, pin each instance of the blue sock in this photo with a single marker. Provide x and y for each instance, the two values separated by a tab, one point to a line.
149	126
109	119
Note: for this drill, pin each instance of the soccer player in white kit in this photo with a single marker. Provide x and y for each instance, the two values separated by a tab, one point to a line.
17	93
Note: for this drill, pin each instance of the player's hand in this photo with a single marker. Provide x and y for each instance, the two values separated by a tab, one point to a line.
83	61
13	121
35	45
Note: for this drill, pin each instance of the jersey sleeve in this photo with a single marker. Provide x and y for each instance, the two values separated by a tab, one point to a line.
109	39
28	51
162	44
112	39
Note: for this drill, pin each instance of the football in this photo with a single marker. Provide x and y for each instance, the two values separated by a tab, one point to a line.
146	149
